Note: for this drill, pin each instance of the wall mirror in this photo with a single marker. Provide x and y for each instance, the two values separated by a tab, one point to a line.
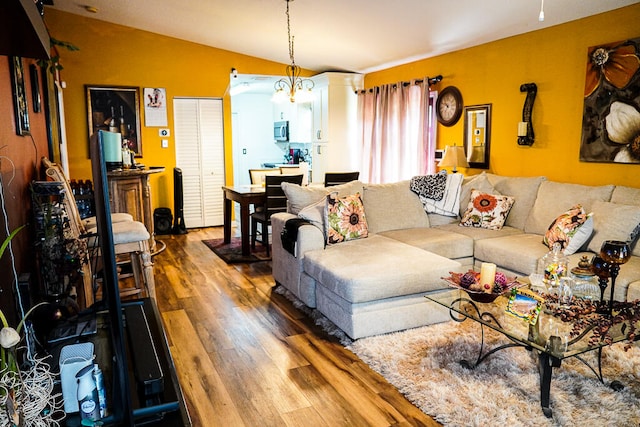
477	135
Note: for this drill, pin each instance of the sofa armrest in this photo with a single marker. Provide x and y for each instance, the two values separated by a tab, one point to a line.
309	238
287	269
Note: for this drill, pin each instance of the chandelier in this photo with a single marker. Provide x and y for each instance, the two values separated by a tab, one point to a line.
293	87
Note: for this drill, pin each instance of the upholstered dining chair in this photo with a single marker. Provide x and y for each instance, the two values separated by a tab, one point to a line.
275	201
335	178
257	175
299	169
131	239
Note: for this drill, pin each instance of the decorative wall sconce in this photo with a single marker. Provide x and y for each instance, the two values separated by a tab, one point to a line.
525	127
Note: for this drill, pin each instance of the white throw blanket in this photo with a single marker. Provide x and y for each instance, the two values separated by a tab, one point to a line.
450	203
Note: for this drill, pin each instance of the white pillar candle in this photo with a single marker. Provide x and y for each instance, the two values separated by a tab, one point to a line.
487	276
522	129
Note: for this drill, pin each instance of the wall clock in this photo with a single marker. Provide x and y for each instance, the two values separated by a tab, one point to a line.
449	106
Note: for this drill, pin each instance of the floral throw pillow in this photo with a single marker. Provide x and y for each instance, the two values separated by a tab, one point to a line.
486	210
571	229
345	219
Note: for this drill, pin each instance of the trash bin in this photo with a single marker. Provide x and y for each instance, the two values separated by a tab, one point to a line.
162	220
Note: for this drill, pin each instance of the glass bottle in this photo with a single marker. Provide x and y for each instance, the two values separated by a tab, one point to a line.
113	126
126	155
586	282
553	266
123	125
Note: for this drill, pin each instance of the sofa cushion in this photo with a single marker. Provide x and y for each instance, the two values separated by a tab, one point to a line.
613	221
486	210
553	197
523	189
392	206
626	195
517	253
345	219
476	182
392	269
571	229
314	213
299	196
441	242
479	233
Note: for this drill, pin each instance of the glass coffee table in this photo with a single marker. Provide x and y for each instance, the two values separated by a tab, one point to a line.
560	332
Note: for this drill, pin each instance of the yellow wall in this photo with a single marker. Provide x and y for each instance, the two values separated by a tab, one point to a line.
121	56
553	58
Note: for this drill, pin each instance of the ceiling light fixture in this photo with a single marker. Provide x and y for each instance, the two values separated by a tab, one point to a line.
541	16
293	87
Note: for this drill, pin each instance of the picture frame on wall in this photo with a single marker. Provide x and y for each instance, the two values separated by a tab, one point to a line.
477	135
120	103
34	75
20	104
611	109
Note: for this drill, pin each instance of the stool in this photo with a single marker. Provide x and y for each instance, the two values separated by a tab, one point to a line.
130	237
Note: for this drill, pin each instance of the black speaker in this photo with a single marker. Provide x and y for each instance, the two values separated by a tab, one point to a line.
178	203
162	219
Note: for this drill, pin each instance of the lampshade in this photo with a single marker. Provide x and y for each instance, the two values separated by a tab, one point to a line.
454	156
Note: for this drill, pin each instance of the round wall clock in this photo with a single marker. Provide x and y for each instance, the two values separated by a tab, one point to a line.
449	106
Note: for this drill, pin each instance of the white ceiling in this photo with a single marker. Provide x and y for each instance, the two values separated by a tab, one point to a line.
340	35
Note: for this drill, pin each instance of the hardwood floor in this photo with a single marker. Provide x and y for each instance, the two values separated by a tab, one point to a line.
245	356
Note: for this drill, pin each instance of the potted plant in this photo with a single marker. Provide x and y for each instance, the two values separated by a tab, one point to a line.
26	389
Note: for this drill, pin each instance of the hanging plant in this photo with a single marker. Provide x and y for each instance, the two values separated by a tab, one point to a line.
53	64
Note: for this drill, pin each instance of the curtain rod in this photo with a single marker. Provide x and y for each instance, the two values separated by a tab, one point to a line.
431	80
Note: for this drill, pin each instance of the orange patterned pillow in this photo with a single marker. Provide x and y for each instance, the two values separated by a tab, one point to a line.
571	229
486	210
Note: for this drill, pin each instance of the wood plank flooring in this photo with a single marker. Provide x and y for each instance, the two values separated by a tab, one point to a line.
245	356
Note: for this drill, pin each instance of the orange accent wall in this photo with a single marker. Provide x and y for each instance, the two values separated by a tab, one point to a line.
553	58
116	55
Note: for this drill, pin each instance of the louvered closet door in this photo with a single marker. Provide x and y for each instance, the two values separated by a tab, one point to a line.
200	155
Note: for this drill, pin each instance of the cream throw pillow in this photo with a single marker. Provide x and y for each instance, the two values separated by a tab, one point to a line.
612	221
299	197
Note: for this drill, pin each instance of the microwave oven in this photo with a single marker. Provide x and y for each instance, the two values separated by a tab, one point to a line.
281	131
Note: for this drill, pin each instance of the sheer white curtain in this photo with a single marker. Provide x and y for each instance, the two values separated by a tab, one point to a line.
395	133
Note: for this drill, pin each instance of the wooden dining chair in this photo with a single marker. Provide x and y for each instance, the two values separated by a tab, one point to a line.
335	178
275	201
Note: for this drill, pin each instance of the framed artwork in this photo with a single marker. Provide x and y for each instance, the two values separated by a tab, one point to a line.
477	135
35	88
20	105
611	114
116	108
155	106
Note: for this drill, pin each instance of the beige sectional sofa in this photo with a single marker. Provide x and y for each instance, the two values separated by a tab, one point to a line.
377	284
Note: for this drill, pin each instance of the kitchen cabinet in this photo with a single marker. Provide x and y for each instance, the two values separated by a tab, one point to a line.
299	116
320	164
334	122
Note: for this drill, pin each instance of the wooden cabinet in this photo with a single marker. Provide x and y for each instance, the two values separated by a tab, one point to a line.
129	192
334	122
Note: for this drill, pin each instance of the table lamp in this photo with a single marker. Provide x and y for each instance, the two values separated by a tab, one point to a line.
454	156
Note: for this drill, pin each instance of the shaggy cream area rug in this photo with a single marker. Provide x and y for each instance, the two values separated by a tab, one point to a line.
504	390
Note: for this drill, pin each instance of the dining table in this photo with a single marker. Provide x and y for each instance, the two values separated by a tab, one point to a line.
245	196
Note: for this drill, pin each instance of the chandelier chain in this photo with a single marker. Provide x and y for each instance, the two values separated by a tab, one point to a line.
293	61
